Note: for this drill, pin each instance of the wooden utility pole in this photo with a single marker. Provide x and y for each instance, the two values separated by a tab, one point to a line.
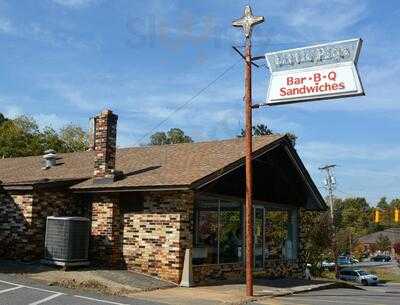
330	184
247	22
249	169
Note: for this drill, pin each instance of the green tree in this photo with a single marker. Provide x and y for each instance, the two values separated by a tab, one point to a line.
346	240
383	204
352	213
395	203
317	238
383	243
258	130
173	136
22	137
74	138
2	118
263	130
19	137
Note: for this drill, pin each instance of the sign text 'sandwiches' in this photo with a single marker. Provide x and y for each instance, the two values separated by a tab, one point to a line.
317	72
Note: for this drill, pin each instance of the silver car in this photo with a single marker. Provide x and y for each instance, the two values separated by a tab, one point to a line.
358	276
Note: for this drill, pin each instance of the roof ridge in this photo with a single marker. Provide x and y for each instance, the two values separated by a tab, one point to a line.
276	136
203	142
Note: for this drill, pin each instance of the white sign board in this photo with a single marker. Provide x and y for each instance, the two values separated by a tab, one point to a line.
313	73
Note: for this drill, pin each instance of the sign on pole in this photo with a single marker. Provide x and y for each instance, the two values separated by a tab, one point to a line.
316	72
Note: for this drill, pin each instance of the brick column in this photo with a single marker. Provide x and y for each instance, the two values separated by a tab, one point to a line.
107	231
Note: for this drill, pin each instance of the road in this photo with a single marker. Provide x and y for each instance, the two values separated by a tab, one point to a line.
380	295
16	292
375	264
20	291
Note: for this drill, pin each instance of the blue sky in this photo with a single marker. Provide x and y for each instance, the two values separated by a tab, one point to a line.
64	60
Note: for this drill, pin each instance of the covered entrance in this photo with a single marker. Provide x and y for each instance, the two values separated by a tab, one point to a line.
282	189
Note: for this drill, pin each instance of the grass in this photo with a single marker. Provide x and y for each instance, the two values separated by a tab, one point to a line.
384	274
91	284
330	275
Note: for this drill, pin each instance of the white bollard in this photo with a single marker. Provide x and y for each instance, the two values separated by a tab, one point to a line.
187	272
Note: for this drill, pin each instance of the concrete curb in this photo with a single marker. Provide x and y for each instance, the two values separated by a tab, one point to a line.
291	291
332	285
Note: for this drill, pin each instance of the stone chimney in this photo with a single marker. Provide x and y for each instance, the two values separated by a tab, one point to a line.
105	138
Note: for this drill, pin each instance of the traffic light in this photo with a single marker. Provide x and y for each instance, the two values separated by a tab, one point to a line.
396	215
377	216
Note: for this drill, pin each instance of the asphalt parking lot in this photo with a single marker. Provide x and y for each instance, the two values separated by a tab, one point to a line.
378	295
16	293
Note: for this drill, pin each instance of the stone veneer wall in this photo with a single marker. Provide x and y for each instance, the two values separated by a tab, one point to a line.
23	220
214	273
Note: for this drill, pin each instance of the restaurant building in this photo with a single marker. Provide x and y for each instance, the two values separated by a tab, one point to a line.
147	205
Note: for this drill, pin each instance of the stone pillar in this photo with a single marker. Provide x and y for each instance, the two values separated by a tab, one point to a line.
107	231
105	136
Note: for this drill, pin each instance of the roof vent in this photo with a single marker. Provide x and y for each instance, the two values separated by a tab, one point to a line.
50	158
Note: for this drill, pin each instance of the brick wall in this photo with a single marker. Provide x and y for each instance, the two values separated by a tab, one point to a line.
15	223
107	231
51	202
156	238
23	220
150	240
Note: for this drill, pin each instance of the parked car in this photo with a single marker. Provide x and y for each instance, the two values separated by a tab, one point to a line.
381	258
343	261
326	265
358	276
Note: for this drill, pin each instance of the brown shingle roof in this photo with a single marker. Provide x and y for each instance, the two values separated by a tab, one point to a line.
152	166
393	234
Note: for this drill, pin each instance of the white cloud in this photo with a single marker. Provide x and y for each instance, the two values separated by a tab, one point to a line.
5	26
50	120
329	17
335	151
12	111
75	3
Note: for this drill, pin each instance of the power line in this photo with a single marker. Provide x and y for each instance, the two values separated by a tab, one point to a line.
189	101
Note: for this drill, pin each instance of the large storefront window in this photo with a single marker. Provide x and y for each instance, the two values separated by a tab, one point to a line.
217	232
281	235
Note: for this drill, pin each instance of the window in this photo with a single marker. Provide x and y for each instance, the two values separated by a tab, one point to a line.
131	202
281	234
217	232
276	234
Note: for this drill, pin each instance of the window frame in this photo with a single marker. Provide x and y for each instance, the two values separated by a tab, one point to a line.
238	207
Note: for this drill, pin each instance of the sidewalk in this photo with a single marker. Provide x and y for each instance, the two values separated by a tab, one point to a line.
232	293
138	286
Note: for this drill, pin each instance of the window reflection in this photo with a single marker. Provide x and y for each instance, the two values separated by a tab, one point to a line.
217	232
276	237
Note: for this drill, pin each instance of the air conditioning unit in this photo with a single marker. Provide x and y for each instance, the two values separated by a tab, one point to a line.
67	241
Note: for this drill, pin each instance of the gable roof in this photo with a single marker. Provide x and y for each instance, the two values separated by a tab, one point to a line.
177	166
392	233
150	166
